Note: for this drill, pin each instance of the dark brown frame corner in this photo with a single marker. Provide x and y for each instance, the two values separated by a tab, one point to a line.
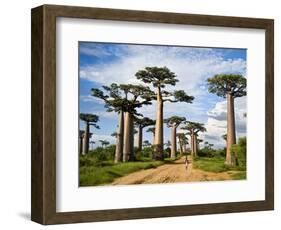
43	189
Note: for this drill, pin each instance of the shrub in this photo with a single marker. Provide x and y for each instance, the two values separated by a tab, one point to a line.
240	151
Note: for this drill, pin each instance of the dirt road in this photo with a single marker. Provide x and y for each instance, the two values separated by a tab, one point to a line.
168	173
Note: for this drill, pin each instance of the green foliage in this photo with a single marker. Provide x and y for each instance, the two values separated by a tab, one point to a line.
214	164
108	172
240	151
221	84
174	120
194	127
158	76
92	119
144	122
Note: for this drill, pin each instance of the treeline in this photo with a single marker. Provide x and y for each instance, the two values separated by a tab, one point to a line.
125	99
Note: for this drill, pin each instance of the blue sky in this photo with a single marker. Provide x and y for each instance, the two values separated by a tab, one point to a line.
106	63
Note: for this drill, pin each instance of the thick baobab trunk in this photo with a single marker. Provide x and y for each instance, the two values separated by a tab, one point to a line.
158	139
119	138
173	141
86	139
128	142
231	137
195	145
192	144
81	144
139	140
181	146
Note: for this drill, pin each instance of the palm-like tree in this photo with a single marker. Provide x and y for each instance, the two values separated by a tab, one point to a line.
229	86
160	77
81	136
174	122
90	120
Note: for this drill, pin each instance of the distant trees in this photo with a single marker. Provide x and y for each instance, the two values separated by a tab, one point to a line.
174	122
160	77
142	123
104	143
194	128
90	120
229	86
183	141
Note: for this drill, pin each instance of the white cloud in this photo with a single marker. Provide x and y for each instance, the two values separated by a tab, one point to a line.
97	137
216	123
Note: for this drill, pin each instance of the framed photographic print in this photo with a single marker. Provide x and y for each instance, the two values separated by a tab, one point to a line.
140	114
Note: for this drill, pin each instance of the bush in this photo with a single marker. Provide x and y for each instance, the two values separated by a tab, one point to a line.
240	151
206	152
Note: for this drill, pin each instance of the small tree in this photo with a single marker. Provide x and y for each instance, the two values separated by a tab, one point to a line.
90	120
229	86
81	136
174	122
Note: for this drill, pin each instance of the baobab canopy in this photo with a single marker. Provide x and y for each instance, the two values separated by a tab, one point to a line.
222	84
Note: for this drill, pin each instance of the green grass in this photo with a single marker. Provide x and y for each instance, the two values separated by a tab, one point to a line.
106	173
216	164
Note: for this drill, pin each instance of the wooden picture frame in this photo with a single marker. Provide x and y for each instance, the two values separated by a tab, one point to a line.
43	208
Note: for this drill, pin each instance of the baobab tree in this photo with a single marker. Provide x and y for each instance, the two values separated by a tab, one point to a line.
115	101
104	143
160	77
229	86
124	99
151	130
90	120
142	123
183	141
194	128
174	122
136	96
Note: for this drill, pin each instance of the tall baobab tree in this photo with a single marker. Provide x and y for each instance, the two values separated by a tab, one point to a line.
142	123
115	101
174	122
194	128
137	96
160	77
229	86
123	99
90	120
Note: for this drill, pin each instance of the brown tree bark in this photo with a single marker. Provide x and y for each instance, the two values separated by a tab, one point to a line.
174	141
128	141
231	137
158	153
195	145
119	138
139	140
86	138
81	144
192	144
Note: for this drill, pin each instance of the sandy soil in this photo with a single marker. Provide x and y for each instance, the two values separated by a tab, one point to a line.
168	173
